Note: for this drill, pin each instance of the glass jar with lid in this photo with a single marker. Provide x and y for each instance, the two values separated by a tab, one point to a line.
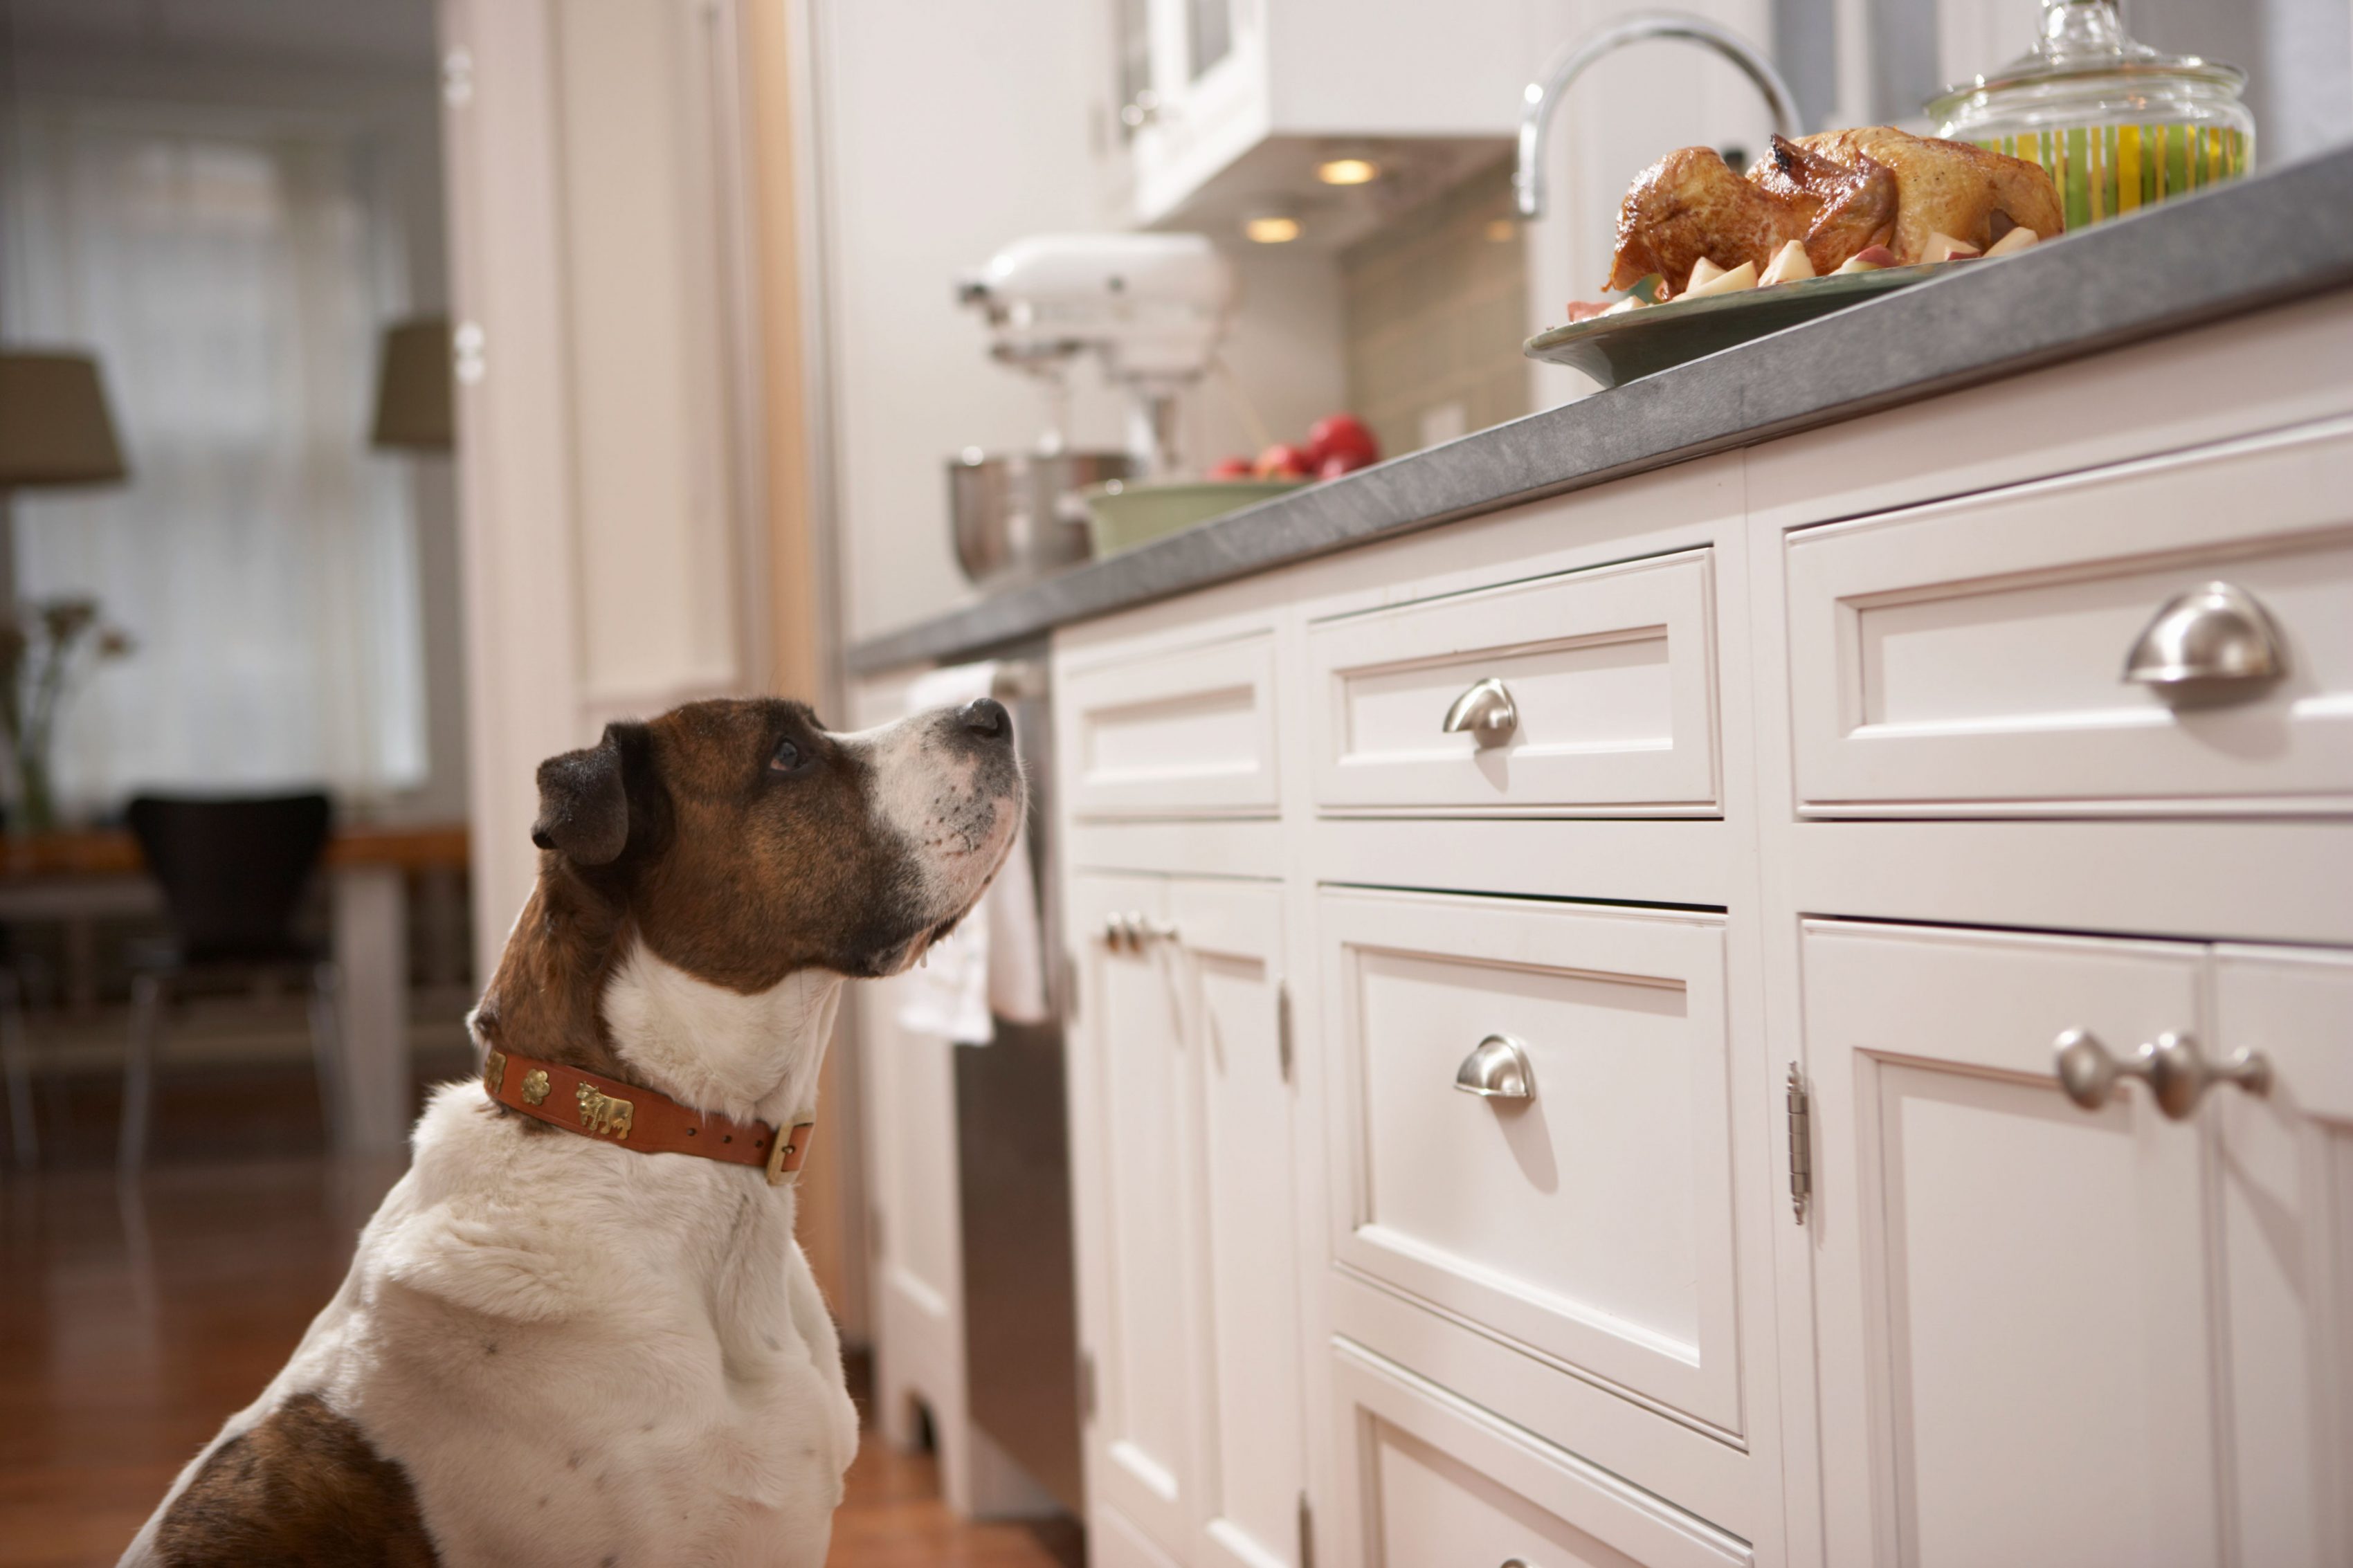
2118	125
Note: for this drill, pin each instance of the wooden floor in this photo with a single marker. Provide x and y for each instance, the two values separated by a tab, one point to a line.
133	1319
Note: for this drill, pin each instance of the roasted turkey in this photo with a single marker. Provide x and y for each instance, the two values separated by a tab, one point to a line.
1839	193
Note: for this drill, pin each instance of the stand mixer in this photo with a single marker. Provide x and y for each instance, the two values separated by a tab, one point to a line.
1154	307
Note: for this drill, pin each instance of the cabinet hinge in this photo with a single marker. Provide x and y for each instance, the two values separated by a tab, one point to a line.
1802	1144
1282	1026
1086	1386
1307	1533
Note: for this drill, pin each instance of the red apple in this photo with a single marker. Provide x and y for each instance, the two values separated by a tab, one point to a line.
1231	468
1343	435
1282	462
1338	463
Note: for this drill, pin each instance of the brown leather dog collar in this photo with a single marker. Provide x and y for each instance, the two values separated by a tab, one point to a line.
641	1119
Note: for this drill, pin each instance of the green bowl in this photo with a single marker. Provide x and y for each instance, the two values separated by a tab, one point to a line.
1615	350
1125	513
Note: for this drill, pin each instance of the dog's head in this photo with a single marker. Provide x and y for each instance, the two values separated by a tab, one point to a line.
741	842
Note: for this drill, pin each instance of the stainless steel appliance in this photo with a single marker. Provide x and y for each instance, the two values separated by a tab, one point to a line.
1021	1294
1018	516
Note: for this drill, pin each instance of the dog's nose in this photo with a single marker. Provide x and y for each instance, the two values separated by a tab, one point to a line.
987	717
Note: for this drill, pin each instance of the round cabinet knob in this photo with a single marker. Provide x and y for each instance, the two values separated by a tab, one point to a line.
2215	635
2176	1076
1131	931
1496	1069
1486	712
1140	110
2179	1077
2089	1073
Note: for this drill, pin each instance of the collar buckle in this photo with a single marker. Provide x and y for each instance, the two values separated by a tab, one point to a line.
790	1147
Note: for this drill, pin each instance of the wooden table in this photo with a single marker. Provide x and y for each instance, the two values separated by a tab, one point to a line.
79	876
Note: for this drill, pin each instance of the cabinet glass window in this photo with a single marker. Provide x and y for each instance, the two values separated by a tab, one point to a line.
1210	33
1134	31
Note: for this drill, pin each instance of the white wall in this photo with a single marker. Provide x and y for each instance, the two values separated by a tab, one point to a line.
944	131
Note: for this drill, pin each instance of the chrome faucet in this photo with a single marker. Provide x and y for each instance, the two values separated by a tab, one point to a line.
1537	102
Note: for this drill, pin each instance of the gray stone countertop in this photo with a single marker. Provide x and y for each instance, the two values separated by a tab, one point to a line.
2272	238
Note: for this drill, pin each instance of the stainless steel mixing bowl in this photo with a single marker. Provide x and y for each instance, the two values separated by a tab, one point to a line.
1018	515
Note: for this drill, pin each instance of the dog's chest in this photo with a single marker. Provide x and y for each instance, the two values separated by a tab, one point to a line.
637	1370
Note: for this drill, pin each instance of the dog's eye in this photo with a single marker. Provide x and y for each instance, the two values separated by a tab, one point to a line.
786	759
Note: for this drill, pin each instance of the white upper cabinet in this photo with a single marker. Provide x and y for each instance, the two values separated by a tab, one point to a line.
1217	101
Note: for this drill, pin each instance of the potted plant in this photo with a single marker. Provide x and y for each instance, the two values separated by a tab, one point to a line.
43	651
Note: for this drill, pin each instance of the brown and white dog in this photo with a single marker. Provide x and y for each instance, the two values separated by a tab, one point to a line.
553	1347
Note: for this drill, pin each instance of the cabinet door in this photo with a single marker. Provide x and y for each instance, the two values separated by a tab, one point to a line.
1228	944
1130	1114
2010	1290
1204	64
2287	1266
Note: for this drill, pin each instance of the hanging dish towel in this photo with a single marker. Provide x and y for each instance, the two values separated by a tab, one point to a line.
991	966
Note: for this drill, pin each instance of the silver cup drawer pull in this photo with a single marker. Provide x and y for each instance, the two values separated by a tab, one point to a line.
1485	711
2217	634
2178	1076
1496	1069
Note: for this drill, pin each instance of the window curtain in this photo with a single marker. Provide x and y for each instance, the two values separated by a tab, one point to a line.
232	282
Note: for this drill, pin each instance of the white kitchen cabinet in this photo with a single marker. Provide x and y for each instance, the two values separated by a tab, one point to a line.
1184	1117
1589	1216
2286	1251
1177	733
1432	1479
2011	1282
1610	676
1208	94
1968	657
2015	1363
1849	797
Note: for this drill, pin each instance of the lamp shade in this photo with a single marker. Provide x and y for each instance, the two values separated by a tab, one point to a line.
412	395
54	425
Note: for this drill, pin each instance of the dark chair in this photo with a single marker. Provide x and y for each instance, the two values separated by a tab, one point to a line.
233	874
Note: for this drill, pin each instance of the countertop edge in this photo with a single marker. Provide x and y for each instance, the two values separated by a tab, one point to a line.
2274	239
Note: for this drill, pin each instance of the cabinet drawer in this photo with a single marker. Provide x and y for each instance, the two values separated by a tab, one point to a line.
1439	1480
1971	656
1177	733
1610	672
1589	1222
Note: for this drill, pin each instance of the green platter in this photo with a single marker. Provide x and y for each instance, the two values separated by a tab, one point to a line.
1615	350
1125	513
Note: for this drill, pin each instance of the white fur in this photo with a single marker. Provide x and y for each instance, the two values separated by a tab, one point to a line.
745	1056
961	847
666	1386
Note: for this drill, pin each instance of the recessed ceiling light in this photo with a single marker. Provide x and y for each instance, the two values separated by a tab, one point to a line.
1347	171
1271	229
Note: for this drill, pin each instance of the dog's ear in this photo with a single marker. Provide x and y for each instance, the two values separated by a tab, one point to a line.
584	800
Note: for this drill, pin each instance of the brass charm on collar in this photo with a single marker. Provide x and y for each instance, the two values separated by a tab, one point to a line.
494	1072
602	1113
535	1087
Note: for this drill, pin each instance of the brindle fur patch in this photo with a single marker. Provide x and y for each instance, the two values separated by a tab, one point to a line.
303	1487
